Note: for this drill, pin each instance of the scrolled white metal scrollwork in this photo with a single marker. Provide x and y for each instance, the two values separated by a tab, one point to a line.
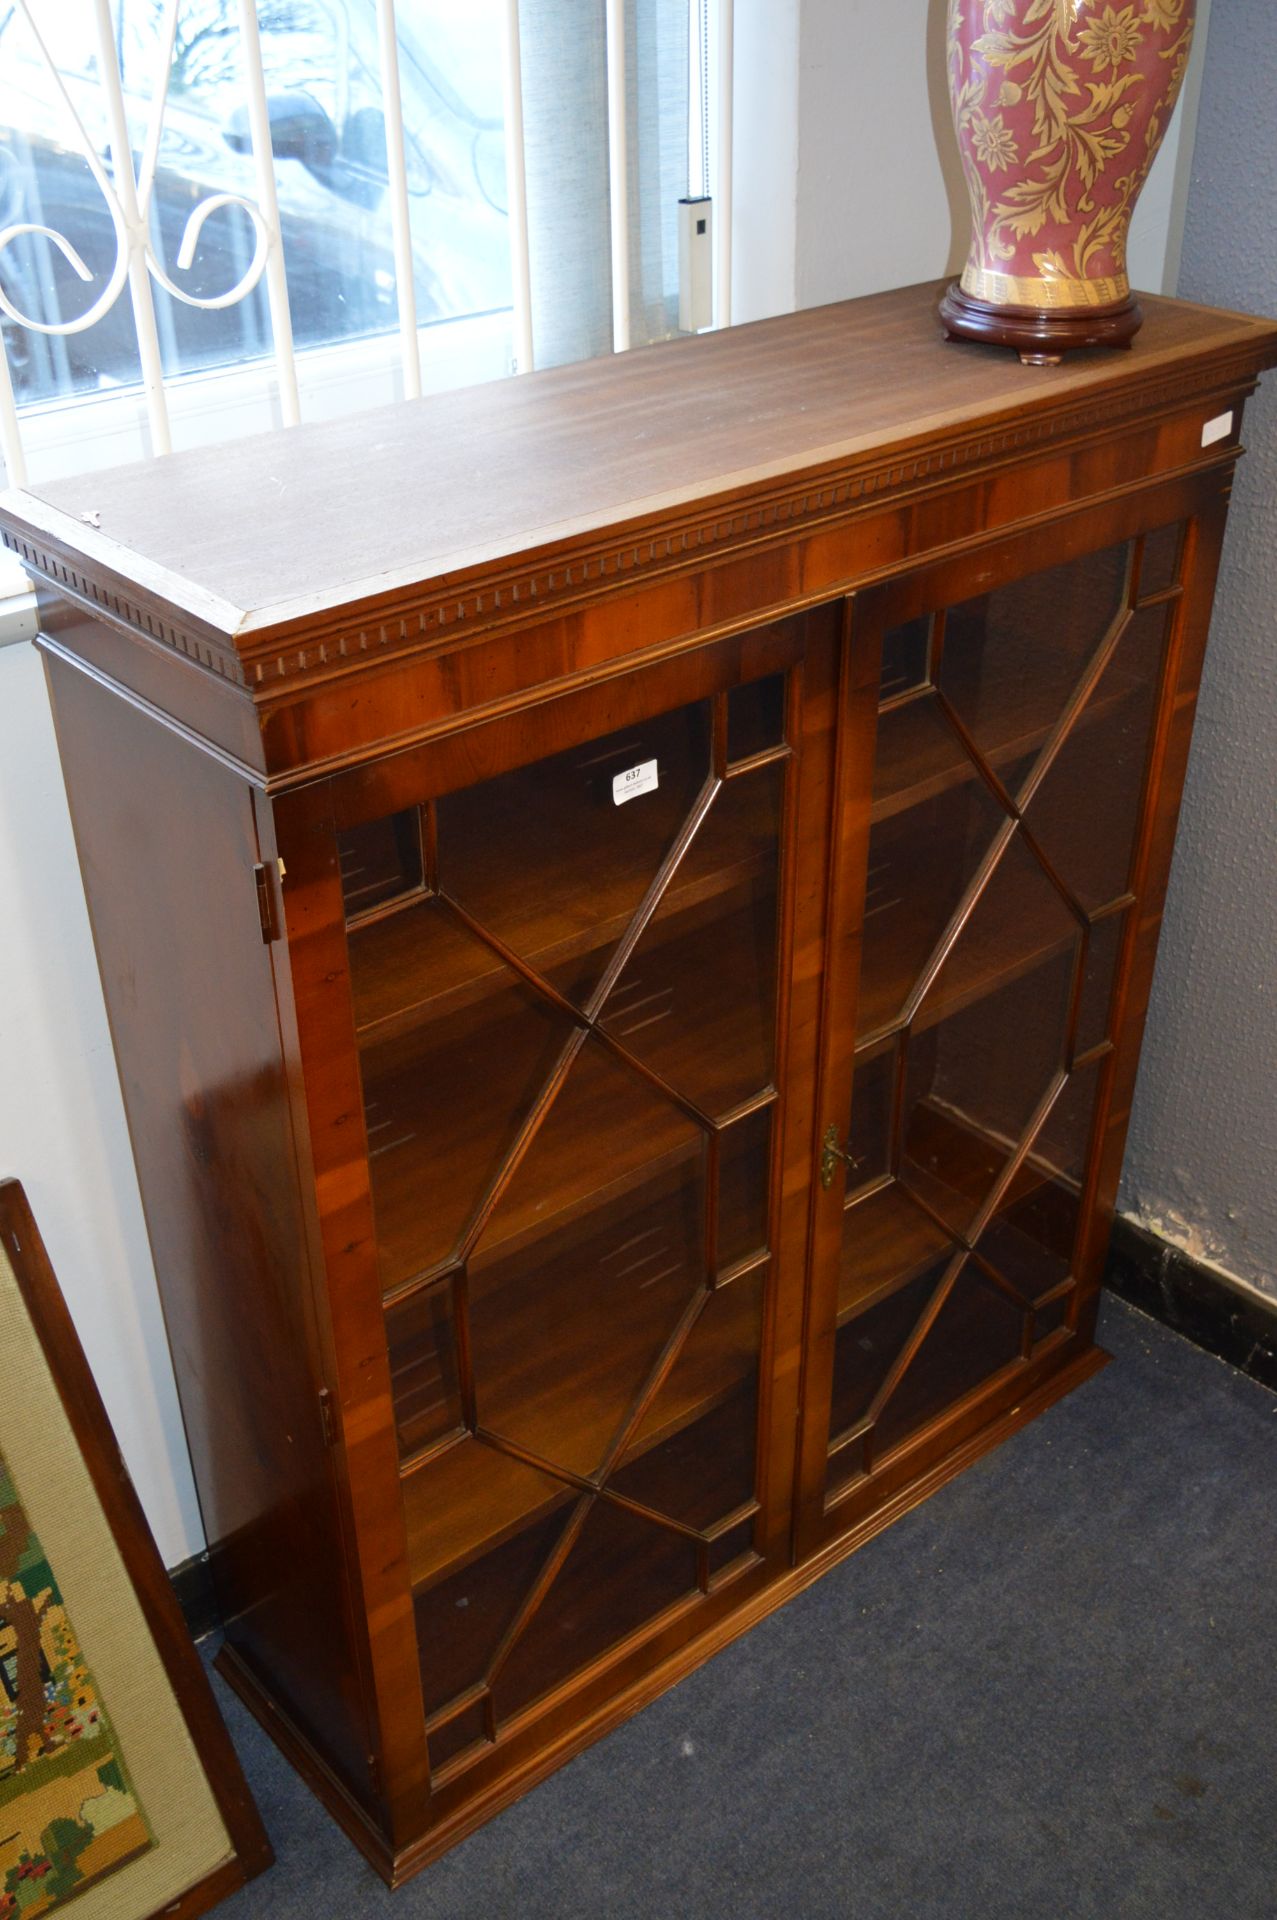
127	197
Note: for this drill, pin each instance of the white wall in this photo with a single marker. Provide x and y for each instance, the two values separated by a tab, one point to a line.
62	1130
840	189
765	157
880	195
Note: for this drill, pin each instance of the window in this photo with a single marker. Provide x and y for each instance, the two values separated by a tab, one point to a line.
265	276
321	70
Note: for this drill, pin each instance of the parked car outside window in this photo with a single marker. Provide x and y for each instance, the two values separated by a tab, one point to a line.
321	68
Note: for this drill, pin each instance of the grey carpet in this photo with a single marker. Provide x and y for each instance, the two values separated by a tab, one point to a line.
1050	1691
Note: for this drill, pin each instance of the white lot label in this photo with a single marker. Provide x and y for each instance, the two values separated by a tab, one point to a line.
635	780
1217	429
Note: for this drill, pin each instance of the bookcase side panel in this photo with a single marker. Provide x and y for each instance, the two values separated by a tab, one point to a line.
168	851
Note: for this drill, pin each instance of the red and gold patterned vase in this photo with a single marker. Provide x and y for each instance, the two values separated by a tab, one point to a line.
1060	107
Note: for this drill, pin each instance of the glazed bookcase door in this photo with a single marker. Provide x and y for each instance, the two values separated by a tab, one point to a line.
570	1030
1014	739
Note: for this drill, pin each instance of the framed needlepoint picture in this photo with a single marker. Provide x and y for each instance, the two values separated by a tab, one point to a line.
120	1795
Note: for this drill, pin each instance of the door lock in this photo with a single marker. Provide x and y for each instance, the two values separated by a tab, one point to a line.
830	1154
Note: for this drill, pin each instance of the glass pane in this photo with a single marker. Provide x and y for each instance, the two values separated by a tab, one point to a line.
988	961
606	1135
555	858
621	1573
920	754
696	1001
906	658
322	75
1018	923
744	1175
870	1343
692	1456
1085	810
566	1332
1013	658
463	1503
1052	1315
380	861
418	963
872	1103
445	1102
731	1551
848	1462
755	717
465	1733
1060	1147
989	1037
597	1314
1159	566
702	1472
463	1617
975	1335
1103	948
921	865
422	1337
974	1087
888	1238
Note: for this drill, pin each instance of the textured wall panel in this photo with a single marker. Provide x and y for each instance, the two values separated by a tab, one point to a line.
1202	1161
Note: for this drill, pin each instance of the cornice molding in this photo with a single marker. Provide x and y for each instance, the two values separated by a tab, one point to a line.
104	591
273	654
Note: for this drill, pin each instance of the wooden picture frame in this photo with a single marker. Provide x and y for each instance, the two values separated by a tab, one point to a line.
193	1834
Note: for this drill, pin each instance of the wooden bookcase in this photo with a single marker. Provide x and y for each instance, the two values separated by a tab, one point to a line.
627	900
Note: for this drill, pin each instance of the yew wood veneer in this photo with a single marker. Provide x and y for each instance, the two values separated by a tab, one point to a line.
626	900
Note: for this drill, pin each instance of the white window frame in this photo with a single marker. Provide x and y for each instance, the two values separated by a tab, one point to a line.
256	394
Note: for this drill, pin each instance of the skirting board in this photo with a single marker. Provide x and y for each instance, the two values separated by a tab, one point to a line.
1234	1323
193	1585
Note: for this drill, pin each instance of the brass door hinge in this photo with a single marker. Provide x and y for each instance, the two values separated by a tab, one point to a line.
831	1154
265	905
266	900
328	1417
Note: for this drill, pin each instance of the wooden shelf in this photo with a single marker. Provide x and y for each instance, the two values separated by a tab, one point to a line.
417	963
445	1103
918	761
637	1262
620	1573
467	1499
451	1110
889	1239
992	951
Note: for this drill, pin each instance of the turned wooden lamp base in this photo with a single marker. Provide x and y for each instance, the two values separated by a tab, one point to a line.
1040	337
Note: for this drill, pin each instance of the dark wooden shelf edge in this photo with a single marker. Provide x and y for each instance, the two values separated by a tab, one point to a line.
397	1868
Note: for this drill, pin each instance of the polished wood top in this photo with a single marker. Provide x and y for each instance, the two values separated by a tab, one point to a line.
255	536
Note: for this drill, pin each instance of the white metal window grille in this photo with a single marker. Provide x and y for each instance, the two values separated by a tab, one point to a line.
235	152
